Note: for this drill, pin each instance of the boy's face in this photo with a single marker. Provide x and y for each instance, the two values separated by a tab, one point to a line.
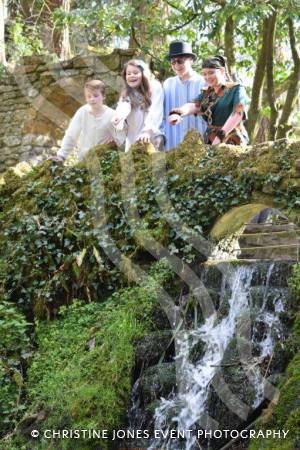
182	65
94	98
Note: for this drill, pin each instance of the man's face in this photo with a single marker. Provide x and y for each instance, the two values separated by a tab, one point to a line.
182	65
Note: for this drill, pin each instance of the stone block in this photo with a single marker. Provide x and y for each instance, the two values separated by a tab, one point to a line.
12	141
83	61
26	69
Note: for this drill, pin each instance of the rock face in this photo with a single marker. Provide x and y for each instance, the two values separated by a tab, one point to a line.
39	97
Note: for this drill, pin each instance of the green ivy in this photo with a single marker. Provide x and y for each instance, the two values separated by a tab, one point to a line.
15	351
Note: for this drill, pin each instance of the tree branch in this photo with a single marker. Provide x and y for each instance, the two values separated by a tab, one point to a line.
179	27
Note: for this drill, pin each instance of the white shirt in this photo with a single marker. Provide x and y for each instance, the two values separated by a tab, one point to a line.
85	131
140	120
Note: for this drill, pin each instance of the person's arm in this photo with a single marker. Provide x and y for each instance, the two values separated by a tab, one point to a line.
122	112
185	110
155	114
71	136
233	121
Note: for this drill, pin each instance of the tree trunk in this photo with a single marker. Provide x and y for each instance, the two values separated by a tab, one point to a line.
229	47
2	34
138	24
65	52
258	81
144	13
270	75
292	92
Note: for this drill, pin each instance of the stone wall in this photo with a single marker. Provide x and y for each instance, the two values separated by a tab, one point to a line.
39	97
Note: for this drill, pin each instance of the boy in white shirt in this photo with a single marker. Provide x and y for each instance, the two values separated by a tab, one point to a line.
91	125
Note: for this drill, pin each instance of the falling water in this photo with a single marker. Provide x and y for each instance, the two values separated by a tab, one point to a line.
186	409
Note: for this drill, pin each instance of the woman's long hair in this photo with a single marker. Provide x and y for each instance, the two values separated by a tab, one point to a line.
139	97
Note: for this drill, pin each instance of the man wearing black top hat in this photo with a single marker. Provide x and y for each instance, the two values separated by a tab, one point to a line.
184	87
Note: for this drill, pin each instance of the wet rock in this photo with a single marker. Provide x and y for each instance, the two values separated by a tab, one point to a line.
160	319
154	347
212	276
157	381
278	276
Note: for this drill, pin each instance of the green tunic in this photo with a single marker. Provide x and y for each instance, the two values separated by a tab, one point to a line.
224	106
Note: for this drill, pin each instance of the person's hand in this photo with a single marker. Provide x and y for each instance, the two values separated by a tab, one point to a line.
108	140
174	119
216	141
118	122
145	137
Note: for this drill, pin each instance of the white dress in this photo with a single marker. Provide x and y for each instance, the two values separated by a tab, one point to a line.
140	120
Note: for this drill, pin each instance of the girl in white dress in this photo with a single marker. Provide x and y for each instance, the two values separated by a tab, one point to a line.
140	108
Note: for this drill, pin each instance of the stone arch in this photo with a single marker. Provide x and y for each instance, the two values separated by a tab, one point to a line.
258	231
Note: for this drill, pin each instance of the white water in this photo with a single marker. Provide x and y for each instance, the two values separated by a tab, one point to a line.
186	410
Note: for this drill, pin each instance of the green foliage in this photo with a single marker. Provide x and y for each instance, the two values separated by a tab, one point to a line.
14	352
24	40
49	242
2	70
81	373
71	232
294	281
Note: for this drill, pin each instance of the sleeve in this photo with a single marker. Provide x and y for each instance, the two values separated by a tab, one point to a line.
123	108
155	114
240	101
198	99
118	136
72	134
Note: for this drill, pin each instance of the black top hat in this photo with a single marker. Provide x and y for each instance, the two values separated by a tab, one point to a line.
180	48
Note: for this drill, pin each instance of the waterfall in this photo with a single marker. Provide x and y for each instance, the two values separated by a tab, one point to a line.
186	410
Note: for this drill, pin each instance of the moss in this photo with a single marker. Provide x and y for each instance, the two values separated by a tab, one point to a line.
235	219
80	376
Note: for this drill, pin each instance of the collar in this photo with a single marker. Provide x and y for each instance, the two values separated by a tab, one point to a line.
192	77
210	89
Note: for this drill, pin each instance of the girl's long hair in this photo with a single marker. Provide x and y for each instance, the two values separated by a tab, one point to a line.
139	97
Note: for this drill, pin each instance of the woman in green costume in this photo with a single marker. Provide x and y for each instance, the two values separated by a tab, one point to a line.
222	104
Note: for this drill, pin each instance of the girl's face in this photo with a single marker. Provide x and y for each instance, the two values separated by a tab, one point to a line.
214	77
133	76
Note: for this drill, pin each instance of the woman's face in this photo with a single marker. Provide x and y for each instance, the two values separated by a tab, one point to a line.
214	77
133	76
